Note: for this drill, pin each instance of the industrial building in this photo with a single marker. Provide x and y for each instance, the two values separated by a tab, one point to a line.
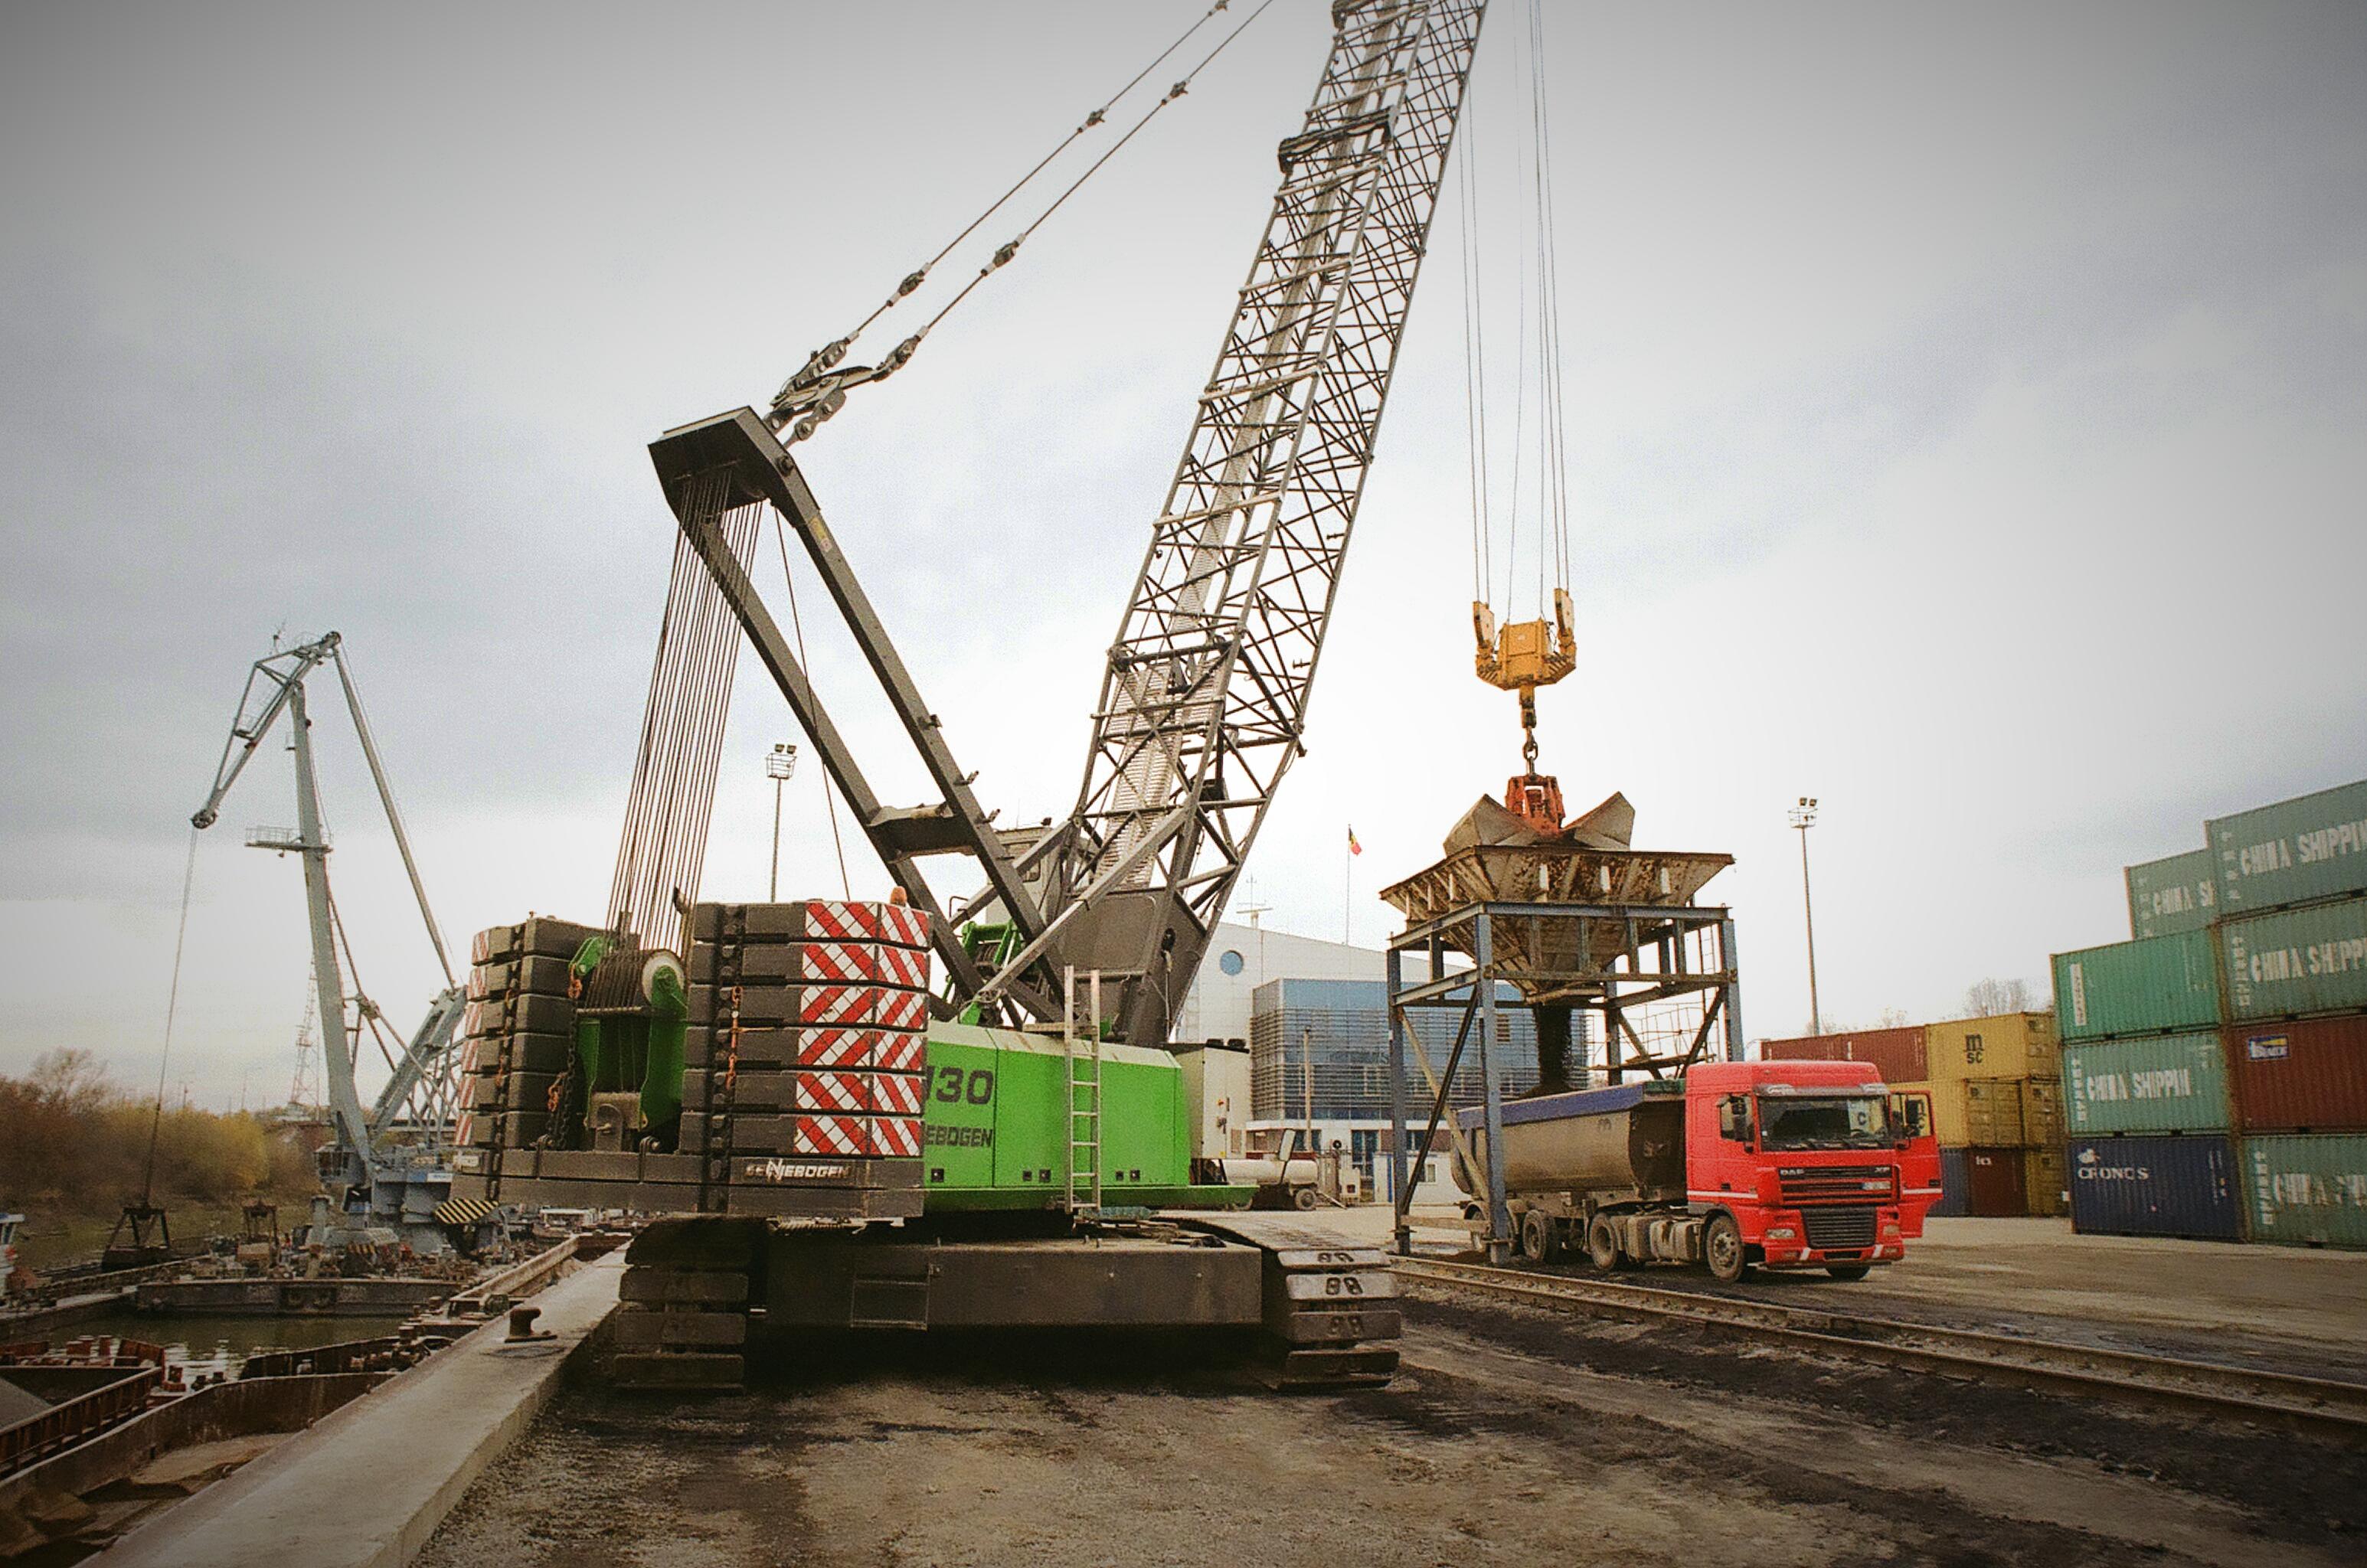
1243	957
1313	1017
1320	1058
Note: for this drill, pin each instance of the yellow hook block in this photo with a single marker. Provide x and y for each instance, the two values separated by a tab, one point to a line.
1524	655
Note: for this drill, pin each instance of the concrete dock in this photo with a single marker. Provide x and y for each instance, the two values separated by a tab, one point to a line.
366	1487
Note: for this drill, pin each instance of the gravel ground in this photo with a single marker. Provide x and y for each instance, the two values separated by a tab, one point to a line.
1512	1437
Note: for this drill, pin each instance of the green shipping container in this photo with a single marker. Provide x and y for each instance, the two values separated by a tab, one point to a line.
2297	961
2168	1083
2315	847
2155	986
2177	893
2306	1190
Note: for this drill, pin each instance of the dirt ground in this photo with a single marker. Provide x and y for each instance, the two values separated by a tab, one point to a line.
1511	1436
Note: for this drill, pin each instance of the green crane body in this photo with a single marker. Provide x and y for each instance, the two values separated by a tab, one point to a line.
993	1136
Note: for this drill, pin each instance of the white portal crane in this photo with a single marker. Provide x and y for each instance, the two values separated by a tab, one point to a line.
419	1095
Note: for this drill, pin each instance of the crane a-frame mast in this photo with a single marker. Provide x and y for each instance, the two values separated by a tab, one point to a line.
1203	700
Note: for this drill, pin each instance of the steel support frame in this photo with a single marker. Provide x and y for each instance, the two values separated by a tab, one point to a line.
1471	931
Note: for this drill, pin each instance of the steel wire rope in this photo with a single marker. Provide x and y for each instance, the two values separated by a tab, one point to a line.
365	1011
685	716
1474	357
691	705
172	1009
394	812
1555	413
796	628
1520	426
701	758
638	803
1011	248
1094	119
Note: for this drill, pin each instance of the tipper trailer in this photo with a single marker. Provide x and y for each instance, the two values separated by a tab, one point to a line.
1735	1164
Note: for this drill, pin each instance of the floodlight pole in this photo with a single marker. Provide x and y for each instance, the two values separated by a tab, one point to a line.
779	763
1803	817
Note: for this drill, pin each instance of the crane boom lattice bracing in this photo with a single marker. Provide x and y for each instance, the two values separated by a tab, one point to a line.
1204	703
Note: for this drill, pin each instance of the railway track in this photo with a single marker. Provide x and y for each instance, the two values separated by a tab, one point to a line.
2317	1405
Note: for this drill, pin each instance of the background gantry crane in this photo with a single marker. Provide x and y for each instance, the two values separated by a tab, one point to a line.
401	1137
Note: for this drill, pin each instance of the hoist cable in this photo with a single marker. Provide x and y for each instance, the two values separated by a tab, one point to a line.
1475	360
1174	93
1538	339
1549	303
829	785
1092	119
172	1006
365	1011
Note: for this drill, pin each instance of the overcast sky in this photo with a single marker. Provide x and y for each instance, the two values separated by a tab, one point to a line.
1964	417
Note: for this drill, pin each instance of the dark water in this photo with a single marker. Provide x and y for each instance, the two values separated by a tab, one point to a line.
223	1344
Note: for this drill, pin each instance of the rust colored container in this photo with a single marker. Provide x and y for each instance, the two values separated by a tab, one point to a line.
1993	1181
1897	1053
2296	1077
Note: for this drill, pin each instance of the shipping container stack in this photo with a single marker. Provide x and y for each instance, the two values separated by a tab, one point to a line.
1996	1102
2215	1068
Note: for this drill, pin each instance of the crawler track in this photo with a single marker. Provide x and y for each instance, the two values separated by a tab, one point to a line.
2312	1405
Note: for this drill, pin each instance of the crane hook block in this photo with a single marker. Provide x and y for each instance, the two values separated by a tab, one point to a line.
1524	655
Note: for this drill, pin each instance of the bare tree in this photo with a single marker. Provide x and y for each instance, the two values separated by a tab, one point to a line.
1892	1018
1988	997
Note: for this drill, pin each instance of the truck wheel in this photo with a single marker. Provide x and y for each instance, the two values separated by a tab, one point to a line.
1602	1244
1722	1250
1305	1198
1848	1270
1540	1239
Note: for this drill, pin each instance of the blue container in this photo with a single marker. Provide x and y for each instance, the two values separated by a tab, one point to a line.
1955	1184
2173	1186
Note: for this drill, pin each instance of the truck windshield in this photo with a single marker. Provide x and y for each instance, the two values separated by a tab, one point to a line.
1857	1122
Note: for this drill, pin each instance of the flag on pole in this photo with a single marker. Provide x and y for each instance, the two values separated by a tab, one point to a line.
1353	848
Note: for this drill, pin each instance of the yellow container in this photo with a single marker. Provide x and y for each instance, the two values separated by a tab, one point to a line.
1948	1119
2010	1045
2042	1179
2042	1112
1993	1113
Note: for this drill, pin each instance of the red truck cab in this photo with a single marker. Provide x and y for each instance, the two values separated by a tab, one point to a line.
1918	1158
1803	1158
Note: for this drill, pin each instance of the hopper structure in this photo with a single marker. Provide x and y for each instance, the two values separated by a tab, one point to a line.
1563	918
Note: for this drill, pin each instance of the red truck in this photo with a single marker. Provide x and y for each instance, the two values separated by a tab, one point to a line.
1736	1165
